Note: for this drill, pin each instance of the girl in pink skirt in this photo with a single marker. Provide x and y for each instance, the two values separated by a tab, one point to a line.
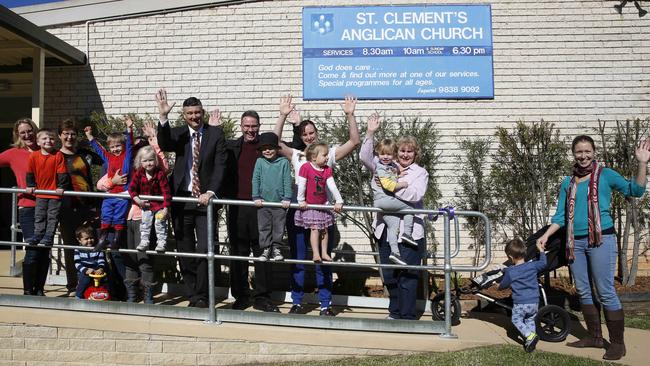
314	180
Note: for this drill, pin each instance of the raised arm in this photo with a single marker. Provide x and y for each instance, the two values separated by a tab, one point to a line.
284	109
642	155
164	130
366	154
354	140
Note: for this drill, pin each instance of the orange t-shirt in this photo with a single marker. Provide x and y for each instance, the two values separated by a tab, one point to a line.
46	170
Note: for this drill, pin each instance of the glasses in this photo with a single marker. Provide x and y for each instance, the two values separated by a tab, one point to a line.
250	127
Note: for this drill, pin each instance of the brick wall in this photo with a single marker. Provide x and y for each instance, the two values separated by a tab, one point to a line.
568	62
26	345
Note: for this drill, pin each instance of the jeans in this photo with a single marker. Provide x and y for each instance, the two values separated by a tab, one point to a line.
299	242
402	284
46	217
37	260
160	226
595	267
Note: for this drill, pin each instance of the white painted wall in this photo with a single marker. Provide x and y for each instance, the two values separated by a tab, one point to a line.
568	62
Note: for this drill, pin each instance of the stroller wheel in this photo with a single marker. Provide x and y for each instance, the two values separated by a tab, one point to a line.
438	308
553	323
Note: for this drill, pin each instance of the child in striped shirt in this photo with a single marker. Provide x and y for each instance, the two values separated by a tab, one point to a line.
87	262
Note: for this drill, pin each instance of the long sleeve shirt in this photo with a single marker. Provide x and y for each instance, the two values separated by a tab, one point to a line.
121	162
157	185
17	159
272	180
85	260
47	172
417	179
522	279
609	181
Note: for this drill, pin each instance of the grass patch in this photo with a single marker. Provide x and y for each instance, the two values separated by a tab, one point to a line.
640	321
489	355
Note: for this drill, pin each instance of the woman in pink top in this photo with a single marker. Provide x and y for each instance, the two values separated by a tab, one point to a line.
36	261
401	284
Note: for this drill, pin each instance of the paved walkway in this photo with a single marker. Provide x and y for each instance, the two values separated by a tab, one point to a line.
477	330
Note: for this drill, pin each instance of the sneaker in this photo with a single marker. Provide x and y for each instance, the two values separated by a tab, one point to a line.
326	312
160	248
389	317
142	247
531	342
277	254
296	309
266	254
408	240
395	258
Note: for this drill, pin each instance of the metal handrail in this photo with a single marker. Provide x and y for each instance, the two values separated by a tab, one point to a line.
211	256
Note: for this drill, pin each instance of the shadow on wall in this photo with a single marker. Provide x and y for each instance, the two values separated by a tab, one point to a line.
70	92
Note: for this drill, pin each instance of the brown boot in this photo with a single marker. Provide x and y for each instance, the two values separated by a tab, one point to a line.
615	321
592	319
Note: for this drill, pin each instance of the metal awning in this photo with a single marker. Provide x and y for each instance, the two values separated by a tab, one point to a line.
19	37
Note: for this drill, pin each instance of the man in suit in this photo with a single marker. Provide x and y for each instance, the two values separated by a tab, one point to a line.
198	172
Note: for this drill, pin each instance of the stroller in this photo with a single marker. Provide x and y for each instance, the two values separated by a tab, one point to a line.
553	322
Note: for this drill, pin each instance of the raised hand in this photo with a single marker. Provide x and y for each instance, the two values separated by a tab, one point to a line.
642	152
294	117
128	122
163	106
373	123
149	129
89	132
215	118
285	105
349	105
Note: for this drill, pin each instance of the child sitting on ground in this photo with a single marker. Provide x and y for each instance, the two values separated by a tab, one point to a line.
87	262
271	183
387	173
46	171
521	277
118	159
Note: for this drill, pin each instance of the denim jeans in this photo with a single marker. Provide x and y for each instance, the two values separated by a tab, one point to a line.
299	242
594	268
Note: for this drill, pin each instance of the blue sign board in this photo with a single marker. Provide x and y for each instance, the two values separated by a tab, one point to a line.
398	52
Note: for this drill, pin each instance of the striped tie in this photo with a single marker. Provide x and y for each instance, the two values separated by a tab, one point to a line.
196	185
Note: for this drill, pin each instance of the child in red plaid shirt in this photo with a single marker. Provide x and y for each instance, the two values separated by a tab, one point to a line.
150	179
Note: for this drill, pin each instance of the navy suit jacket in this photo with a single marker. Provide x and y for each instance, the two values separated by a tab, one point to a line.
212	156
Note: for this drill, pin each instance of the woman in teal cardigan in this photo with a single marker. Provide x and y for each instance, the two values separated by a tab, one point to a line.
583	207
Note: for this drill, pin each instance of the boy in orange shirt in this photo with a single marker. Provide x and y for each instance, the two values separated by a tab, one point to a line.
46	171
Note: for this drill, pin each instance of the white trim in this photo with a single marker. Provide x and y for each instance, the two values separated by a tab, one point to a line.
78	11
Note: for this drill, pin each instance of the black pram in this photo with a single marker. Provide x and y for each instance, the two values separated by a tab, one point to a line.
553	322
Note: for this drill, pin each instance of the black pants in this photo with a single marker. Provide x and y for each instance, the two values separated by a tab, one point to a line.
243	233
37	260
191	231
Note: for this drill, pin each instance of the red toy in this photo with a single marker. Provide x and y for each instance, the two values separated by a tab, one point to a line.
97	292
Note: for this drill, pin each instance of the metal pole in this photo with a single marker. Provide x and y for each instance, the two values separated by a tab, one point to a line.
211	299
447	264
13	271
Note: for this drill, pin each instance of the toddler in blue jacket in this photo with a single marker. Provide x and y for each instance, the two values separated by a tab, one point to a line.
521	277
